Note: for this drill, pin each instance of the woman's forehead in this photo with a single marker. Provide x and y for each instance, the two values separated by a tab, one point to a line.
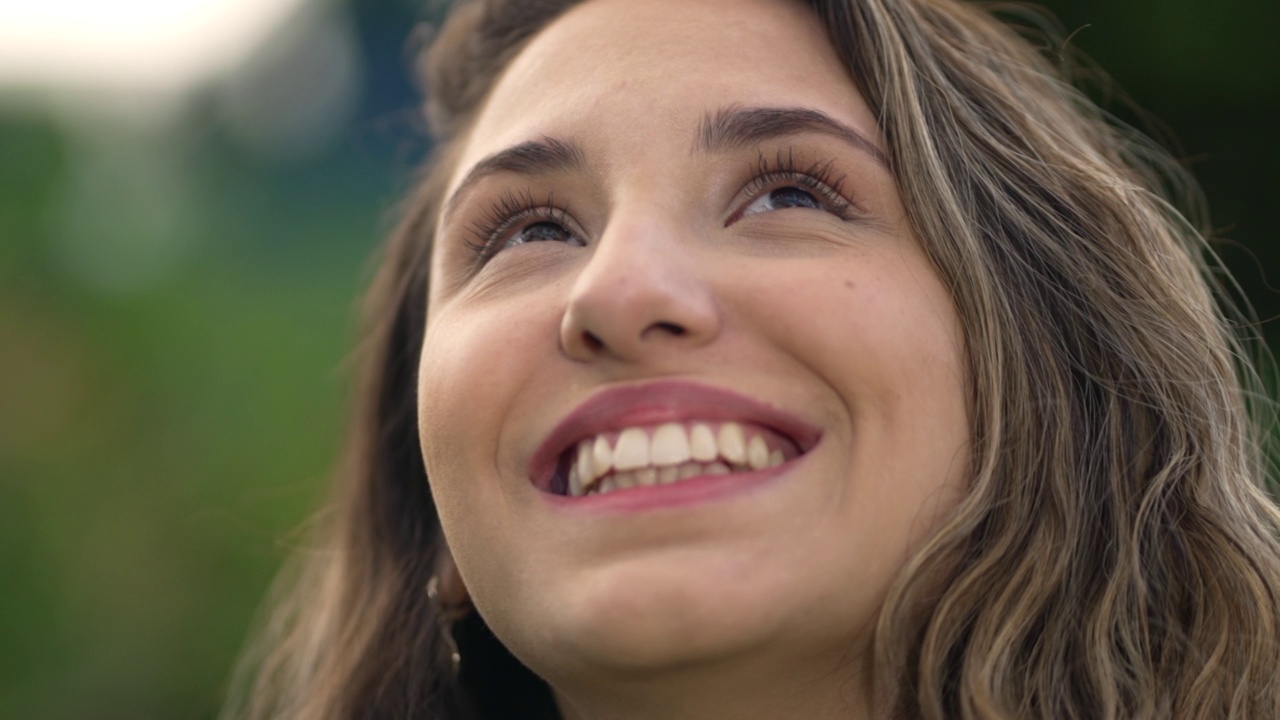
639	77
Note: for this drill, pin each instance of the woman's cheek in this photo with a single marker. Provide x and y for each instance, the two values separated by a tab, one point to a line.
457	401
477	359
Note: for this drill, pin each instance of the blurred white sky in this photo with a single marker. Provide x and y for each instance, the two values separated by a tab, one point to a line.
133	47
136	87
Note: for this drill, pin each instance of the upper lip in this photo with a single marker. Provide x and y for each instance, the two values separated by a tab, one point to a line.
655	403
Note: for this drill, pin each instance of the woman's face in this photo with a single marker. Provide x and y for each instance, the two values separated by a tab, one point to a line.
672	234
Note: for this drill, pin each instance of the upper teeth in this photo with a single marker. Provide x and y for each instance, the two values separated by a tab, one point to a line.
665	454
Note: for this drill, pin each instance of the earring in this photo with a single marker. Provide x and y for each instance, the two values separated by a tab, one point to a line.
446	616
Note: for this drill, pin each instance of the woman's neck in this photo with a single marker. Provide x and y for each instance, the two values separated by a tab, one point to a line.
741	690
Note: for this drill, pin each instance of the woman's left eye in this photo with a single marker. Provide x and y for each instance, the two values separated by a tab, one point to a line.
782	184
783	198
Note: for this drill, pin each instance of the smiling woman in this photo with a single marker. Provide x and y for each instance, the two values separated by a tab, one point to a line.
676	285
759	358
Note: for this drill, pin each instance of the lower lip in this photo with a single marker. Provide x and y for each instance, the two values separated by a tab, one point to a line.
693	491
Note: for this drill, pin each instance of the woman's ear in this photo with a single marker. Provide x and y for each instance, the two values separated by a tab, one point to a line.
446	581
450	602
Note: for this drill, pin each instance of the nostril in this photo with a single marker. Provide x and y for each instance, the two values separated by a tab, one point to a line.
592	342
670	328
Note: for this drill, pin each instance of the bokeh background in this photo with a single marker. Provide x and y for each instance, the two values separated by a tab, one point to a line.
189	194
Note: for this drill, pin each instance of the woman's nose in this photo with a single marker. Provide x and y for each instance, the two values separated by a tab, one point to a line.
640	293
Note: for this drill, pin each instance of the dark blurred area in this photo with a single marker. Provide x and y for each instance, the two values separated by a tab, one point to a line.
178	276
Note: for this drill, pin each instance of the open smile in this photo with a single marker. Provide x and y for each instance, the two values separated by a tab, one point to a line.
670	453
665	433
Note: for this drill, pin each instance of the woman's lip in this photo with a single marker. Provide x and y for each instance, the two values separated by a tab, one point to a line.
654	403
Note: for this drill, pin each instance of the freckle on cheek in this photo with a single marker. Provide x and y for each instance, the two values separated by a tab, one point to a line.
848	284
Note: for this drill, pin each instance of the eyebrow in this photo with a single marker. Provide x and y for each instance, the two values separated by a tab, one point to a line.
729	129
544	156
737	128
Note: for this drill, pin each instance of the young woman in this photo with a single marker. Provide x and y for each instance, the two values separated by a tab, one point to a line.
769	359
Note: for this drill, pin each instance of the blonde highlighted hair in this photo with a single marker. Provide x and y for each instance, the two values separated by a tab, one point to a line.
1117	555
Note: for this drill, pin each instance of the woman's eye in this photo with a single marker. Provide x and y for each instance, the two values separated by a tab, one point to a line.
783	198
782	184
544	231
520	219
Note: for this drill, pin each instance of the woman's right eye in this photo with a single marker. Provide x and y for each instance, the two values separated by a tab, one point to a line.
544	231
519	220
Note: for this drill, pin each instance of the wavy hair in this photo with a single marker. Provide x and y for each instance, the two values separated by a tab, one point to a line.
1117	554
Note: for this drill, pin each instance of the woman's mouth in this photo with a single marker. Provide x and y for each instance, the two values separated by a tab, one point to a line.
663	433
667	454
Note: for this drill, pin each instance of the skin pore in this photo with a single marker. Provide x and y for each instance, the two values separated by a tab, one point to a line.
673	198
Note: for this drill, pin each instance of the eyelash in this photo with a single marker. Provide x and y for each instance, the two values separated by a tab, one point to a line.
512	209
785	171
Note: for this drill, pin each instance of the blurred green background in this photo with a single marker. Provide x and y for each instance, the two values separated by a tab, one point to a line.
177	293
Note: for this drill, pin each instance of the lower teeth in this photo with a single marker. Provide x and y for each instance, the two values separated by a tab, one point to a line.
660	476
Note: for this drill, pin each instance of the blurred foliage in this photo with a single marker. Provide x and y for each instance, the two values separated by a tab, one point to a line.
172	376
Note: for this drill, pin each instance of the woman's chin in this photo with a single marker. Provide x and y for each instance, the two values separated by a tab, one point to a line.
629	634
634	626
